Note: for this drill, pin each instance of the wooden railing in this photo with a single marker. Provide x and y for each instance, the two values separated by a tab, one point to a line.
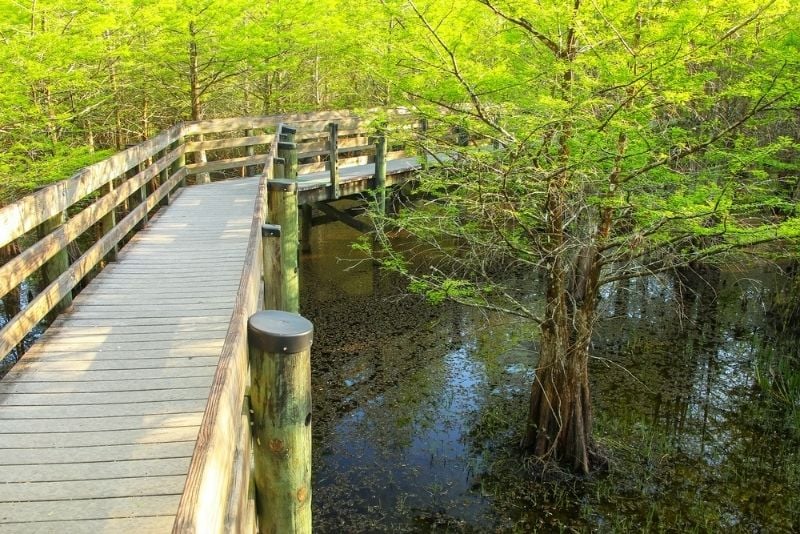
101	205
104	203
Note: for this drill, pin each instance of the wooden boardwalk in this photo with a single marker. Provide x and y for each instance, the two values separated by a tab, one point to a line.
130	413
98	421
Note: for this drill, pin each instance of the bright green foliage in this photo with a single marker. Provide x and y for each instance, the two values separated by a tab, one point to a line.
676	121
83	75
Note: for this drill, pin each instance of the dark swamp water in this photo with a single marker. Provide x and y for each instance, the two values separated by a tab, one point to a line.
417	409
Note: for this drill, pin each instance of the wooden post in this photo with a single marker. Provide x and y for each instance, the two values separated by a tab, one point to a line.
279	168
272	272
282	211
201	157
305	227
422	136
380	171
179	163
109	221
163	176
280	397
287	134
250	151
55	266
142	194
333	144
288	151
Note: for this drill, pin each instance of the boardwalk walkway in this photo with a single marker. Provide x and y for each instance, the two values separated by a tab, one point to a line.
130	414
99	420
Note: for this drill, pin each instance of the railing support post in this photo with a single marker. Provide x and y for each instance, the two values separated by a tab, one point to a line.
272	267
179	163
333	159
288	151
380	171
280	397
109	221
422	137
282	211
305	227
163	176
201	158
141	196
278	168
250	151
59	263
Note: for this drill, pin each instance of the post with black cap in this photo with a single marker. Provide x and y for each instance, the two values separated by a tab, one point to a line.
288	151
272	266
333	158
379	181
280	396
282	211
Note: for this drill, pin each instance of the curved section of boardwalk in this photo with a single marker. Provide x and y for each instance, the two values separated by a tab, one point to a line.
98	421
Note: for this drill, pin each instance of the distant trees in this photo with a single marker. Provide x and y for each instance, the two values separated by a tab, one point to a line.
80	76
638	138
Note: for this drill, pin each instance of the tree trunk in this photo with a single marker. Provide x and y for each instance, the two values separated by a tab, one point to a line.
195	96
559	425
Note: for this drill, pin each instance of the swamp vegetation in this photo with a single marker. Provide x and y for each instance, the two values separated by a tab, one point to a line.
418	418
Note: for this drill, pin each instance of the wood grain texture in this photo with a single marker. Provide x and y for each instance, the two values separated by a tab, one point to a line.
211	480
98	421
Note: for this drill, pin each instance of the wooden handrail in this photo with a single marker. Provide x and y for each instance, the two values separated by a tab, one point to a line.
215	498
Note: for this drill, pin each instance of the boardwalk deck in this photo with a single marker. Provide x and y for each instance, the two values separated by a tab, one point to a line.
99	420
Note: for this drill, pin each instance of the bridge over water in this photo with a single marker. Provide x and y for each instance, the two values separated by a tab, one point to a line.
130	412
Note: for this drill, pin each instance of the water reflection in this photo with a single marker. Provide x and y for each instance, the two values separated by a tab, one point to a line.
404	391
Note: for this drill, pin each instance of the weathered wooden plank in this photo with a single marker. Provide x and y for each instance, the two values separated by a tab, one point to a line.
121	353
31	375
98	312
222	164
230	142
111	365
98	424
104	410
139	436
72	399
244	123
68	321
111	338
219	295
123	507
90	489
237	518
94	470
346	123
108	386
139	525
101	453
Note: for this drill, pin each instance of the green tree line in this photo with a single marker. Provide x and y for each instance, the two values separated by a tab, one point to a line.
82	78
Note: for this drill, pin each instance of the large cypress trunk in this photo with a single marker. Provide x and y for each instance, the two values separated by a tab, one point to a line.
559	425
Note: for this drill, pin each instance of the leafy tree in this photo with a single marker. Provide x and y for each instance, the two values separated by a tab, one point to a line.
639	137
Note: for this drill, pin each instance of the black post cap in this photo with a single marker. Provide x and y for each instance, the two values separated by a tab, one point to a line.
286	145
270	230
279	332
288	130
281	184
